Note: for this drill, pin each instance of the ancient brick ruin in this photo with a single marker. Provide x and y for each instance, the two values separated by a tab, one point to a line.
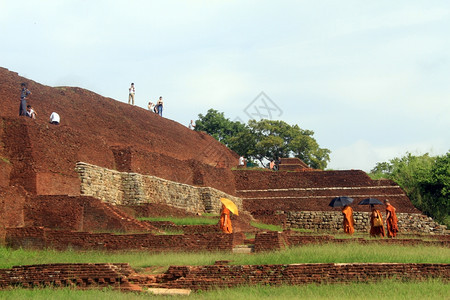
121	276
80	185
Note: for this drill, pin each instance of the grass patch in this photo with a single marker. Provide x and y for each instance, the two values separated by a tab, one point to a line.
211	215
326	253
171	232
272	227
387	289
184	221
264	226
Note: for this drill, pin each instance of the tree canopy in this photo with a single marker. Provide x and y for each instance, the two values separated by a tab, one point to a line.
425	179
265	139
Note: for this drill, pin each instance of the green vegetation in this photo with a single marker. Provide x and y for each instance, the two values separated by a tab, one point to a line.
263	226
387	289
265	139
271	227
185	221
425	179
326	253
5	159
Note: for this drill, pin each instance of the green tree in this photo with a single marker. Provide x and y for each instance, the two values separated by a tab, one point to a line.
235	135
278	138
425	179
436	190
265	139
215	124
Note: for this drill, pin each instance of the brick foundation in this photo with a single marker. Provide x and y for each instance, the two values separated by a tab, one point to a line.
73	275
213	276
41	238
206	277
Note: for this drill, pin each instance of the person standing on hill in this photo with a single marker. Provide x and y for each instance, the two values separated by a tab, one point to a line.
23	100
159	105
348	223
391	220
241	161
131	92
272	164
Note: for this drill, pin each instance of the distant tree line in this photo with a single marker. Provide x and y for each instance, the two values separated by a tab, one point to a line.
264	140
425	179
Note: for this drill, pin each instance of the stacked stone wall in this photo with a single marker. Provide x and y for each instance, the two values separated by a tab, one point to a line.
122	188
272	240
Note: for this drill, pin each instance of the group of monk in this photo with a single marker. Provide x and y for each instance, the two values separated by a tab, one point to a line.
376	221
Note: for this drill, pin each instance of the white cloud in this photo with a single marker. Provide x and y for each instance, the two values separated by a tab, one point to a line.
364	155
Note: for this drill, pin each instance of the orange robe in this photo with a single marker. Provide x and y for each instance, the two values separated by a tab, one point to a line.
348	220
391	221
225	221
379	230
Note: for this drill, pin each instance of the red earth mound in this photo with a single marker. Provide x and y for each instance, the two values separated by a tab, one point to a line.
103	132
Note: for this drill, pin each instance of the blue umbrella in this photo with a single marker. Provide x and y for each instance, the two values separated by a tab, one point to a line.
370	201
340	201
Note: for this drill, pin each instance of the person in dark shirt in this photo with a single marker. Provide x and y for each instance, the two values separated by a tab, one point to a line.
23	100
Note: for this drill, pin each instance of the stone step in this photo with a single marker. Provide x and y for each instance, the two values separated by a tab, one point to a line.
161	291
243	249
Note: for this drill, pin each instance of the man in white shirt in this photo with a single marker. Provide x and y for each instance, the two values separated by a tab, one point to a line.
131	90
192	125
54	118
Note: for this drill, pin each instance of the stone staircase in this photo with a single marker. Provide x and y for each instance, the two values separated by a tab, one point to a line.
294	164
313	190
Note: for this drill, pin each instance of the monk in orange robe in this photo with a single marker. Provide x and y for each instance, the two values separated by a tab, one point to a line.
349	228
225	221
376	229
391	220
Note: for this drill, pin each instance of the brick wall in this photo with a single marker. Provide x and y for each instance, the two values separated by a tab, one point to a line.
206	277
73	275
79	213
214	276
12	200
39	237
121	188
267	241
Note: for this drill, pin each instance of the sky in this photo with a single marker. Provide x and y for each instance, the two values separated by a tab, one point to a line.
370	78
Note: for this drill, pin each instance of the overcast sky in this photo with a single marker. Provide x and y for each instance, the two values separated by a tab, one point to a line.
370	78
